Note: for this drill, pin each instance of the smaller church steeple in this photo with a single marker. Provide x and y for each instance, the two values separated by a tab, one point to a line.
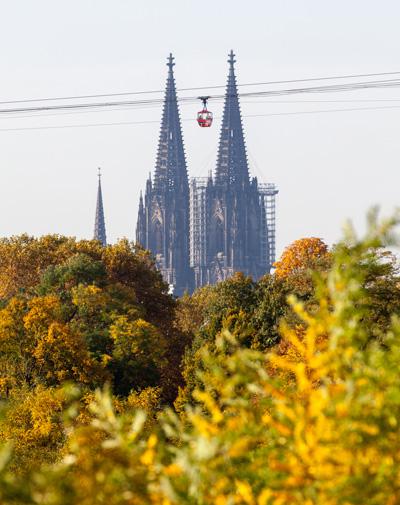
141	223
99	224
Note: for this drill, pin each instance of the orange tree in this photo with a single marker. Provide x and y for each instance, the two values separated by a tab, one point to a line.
298	260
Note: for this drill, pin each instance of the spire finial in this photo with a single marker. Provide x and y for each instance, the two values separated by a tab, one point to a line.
231	60
170	63
99	172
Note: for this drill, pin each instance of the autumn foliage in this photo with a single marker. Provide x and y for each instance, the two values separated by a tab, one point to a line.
311	418
303	254
75	311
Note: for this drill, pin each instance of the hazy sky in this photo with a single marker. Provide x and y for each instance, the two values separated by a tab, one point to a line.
328	166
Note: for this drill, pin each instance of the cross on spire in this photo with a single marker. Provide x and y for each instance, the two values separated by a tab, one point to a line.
170	63
231	60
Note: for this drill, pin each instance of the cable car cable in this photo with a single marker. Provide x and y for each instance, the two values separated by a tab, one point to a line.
123	123
265	83
269	102
320	89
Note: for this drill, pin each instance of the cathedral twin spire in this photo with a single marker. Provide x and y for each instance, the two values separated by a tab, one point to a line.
228	218
163	218
232	164
170	169
224	226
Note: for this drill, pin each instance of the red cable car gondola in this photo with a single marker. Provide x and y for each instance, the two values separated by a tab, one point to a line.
204	117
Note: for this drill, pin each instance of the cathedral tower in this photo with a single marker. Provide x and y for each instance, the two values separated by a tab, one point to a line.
163	217
229	212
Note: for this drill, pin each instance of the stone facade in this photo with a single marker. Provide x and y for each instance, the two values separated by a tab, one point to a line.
163	219
230	212
225	224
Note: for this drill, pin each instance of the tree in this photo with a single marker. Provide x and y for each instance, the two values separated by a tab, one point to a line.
23	259
270	308
299	259
137	356
37	346
63	301
32	422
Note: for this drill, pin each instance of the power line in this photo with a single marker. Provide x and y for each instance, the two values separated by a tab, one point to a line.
124	123
132	103
323	111
219	86
351	100
267	101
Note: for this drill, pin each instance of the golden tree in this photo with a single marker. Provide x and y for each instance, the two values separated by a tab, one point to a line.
301	255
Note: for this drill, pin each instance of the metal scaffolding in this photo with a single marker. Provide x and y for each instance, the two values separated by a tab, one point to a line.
267	193
198	222
207	271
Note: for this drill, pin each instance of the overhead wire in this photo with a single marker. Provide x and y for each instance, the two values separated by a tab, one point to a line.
44	110
219	86
123	123
269	93
151	106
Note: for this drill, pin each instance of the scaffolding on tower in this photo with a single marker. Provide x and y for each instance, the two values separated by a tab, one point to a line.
198	228
267	193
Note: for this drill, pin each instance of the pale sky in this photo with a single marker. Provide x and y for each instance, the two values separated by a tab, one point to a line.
328	167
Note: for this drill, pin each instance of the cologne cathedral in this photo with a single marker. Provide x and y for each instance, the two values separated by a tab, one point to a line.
203	231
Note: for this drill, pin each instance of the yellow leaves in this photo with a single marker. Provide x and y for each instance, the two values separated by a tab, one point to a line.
134	336
152	441
23	259
62	355
245	492
203	425
148	399
239	447
342	409
264	497
33	425
148	456
369	429
281	428
90	298
173	470
210	404
11	322
300	255
42	312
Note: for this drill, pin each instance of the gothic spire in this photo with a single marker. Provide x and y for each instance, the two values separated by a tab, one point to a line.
141	223
99	224
232	166
170	170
